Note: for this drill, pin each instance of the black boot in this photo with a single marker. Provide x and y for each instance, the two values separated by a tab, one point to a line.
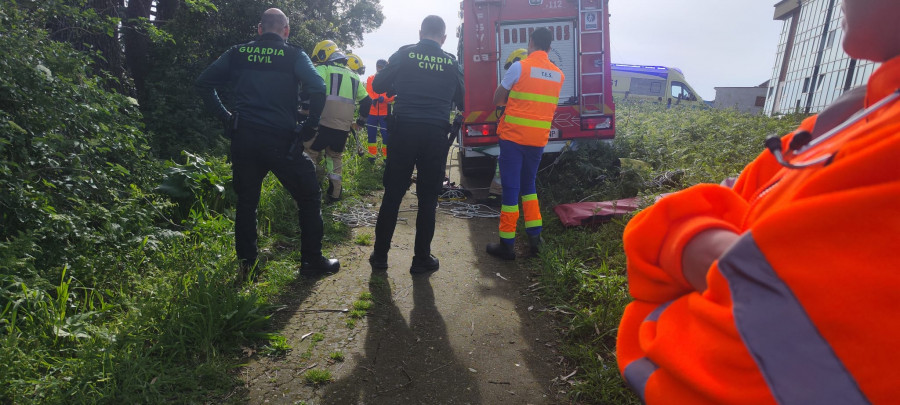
319	266
537	243
378	262
502	250
424	264
328	198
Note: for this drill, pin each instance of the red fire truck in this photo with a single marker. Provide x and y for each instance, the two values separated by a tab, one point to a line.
492	29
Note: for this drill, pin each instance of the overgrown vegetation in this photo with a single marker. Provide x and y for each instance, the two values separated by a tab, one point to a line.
116	266
584	268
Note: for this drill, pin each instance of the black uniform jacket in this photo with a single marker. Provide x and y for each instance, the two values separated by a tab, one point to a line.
426	80
266	76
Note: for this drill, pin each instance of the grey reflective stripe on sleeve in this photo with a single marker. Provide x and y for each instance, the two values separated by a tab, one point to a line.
797	363
637	373
654	316
335	84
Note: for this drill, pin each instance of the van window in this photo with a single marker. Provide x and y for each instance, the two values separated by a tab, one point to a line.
681	92
647	87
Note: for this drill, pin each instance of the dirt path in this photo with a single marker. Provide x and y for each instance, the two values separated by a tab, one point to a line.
474	332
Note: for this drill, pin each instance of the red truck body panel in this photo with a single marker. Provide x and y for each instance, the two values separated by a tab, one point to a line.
492	29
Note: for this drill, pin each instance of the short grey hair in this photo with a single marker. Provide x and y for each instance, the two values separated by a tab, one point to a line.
273	21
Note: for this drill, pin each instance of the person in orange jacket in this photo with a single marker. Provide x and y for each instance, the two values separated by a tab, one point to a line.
785	288
530	91
378	113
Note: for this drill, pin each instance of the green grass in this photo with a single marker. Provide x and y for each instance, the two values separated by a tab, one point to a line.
166	321
363	239
336	356
362	305
582	270
317	377
277	346
314	341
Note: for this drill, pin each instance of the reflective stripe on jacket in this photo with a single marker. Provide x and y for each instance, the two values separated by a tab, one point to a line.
801	309
342	91
379	108
532	102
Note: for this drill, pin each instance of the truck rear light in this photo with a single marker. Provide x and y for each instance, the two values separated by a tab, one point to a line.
481	130
595	123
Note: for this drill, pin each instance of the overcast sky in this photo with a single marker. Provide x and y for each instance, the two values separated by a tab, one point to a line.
716	43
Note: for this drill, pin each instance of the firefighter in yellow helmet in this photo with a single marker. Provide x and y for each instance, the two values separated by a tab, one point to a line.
343	91
323	51
355	64
514	57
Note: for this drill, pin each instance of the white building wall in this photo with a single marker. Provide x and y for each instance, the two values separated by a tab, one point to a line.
750	100
818	70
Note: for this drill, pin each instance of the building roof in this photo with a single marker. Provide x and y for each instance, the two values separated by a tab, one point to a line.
784	8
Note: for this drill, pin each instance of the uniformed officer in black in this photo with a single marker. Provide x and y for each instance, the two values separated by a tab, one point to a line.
426	81
265	76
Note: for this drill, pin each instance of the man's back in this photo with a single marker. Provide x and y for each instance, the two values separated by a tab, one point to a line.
343	89
426	81
265	76
532	100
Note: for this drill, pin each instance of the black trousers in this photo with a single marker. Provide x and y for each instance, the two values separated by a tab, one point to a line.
424	147
255	151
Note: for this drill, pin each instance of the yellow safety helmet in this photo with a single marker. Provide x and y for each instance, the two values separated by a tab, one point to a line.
323	51
355	64
515	56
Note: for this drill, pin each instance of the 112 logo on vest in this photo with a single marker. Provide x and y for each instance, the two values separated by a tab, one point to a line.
545	74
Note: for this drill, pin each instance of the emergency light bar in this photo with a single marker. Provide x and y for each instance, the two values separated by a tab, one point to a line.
481	130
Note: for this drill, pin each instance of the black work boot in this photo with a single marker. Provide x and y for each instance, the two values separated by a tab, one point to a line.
378	261
502	250
537	243
424	264
328	198
319	266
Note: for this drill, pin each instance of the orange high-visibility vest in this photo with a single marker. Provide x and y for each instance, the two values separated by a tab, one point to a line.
378	108
532	102
802	308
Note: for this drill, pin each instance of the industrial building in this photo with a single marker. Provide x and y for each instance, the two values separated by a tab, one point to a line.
811	68
748	100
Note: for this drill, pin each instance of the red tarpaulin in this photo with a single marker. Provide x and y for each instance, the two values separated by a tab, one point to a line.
589	213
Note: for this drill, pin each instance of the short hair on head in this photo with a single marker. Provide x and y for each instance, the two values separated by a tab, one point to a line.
273	21
542	38
433	26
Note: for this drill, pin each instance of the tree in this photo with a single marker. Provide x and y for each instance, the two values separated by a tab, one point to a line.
198	33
